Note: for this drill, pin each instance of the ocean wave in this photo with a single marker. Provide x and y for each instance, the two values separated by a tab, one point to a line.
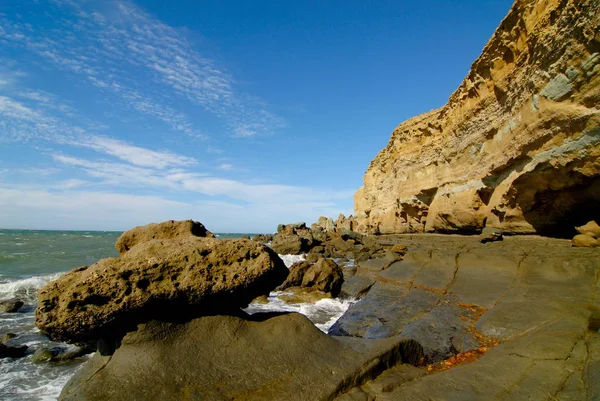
26	289
323	313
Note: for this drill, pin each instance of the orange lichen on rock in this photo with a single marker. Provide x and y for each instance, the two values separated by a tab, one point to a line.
463	358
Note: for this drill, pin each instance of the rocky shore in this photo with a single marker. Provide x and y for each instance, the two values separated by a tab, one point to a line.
441	316
438	317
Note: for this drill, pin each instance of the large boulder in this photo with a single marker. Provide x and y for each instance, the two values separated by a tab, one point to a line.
324	275
183	277
235	358
293	239
166	230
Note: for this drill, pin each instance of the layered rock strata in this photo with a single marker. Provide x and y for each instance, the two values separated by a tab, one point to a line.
517	145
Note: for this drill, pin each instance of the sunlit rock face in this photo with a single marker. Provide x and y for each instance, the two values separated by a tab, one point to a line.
517	145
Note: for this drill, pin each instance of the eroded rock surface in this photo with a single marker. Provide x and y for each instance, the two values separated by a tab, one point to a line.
184	276
517	145
526	307
170	229
324	275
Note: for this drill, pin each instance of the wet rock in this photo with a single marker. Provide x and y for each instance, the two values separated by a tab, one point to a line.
11	305
166	230
12	351
7	336
299	295
181	277
263	299
260	357
384	311
324	275
58	354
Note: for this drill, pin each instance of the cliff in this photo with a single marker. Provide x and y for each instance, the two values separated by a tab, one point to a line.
515	147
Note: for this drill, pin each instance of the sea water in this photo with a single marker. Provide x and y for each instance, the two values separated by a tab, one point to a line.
30	259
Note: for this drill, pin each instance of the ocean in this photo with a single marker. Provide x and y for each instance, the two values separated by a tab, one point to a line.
29	259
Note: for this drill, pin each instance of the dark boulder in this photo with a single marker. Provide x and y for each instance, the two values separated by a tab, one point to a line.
12	351
261	357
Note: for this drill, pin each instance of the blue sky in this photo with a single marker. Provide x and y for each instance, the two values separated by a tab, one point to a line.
239	114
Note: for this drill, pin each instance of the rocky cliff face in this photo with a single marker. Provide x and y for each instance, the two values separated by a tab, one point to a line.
517	145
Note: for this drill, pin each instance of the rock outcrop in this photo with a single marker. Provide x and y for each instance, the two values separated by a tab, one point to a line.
324	275
170	229
181	276
517	145
523	313
330	243
235	358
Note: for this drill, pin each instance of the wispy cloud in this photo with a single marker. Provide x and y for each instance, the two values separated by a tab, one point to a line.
136	155
105	50
105	176
225	167
110	173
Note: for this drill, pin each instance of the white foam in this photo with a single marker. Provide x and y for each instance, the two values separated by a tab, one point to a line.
323	313
291	259
26	289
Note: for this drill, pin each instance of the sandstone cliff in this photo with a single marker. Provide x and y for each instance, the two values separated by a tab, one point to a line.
515	147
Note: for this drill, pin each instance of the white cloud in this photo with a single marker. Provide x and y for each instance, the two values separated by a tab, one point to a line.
225	167
136	155
44	172
79	210
15	110
128	176
121	53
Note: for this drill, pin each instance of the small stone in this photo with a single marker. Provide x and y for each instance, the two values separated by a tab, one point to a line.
43	355
591	228
9	351
11	305
490	234
400	249
7	336
585	241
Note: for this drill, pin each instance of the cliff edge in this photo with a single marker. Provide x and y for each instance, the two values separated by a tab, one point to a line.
516	146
